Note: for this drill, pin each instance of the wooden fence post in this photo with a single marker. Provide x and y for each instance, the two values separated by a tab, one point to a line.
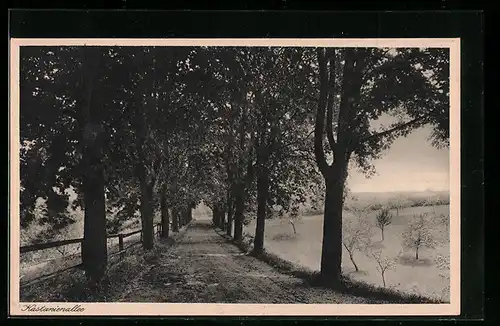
120	245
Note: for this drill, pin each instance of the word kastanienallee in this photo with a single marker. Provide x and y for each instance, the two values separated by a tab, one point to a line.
36	308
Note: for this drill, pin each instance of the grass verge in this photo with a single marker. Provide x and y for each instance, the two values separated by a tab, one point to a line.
71	285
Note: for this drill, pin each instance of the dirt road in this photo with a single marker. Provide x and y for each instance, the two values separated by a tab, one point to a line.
204	267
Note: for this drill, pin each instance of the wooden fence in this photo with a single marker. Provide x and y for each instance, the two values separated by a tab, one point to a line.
120	236
157	230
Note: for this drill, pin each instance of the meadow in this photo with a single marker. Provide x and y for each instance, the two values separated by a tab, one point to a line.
428	276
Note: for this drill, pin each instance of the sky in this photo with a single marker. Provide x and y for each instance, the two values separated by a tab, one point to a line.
411	164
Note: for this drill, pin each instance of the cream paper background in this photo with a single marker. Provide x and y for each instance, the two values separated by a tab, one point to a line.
206	309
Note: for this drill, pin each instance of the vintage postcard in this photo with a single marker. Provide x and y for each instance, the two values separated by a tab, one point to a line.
224	177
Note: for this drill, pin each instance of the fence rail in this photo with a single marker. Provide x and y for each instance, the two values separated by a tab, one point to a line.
120	236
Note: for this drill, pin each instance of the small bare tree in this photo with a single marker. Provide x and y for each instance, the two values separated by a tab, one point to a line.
291	218
291	221
384	218
356	235
418	234
384	263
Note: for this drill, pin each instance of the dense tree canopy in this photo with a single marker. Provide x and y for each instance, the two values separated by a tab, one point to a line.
250	131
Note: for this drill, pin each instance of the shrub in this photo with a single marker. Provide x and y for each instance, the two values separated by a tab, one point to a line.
384	218
384	263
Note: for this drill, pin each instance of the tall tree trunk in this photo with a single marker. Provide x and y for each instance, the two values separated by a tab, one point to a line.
230	207
175	220
147	214
222	217
239	185
382	229
165	220
186	215
190	216
215	215
331	251
181	218
238	214
145	166
94	244
416	253
218	215
146	188
240	200
262	196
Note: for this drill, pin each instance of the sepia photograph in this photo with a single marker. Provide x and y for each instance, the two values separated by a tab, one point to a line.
318	174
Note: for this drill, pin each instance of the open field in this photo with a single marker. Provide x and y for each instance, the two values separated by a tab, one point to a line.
425	276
